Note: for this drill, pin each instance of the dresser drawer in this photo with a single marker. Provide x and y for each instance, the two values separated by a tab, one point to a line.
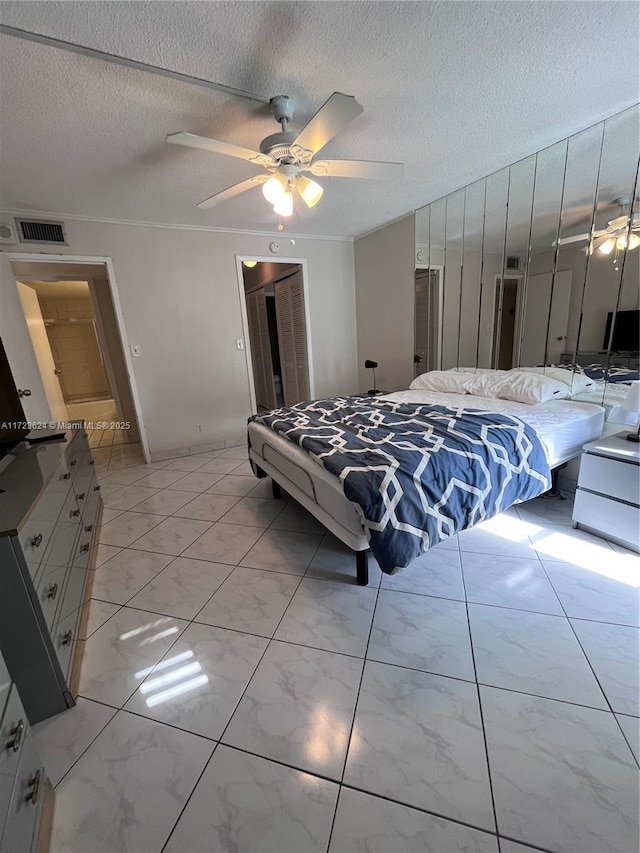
25	807
610	477
50	589
64	641
76	577
13	731
615	520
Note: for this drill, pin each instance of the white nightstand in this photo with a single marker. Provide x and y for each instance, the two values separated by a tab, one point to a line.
608	495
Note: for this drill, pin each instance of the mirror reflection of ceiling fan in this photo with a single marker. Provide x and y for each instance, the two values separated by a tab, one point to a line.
617	236
286	156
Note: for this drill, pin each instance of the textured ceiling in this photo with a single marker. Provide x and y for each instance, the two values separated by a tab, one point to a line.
455	90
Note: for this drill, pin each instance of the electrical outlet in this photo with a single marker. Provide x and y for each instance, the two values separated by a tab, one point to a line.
135	350
239	344
198	428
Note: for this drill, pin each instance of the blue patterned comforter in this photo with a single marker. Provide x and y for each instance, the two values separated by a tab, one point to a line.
417	473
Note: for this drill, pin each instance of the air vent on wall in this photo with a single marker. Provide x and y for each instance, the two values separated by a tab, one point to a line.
513	263
40	231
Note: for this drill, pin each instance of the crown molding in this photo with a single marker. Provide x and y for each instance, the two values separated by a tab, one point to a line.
50	214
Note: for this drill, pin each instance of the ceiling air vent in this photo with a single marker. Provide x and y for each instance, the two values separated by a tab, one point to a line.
40	231
513	263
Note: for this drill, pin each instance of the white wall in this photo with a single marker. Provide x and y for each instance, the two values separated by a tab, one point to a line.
181	305
384	272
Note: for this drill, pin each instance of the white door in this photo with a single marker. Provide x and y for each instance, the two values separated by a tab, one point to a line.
536	336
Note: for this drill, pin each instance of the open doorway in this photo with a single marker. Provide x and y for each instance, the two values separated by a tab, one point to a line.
278	341
427	320
76	333
506	322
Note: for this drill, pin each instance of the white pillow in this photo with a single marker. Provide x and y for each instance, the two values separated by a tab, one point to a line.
523	387
442	380
576	382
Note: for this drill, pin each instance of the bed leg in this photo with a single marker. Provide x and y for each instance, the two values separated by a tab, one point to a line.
362	567
554	491
275	489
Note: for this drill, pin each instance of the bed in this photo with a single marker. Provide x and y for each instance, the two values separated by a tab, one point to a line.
561	428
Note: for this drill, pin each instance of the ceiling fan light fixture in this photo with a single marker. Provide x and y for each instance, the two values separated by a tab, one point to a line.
310	191
274	189
608	246
284	205
627	241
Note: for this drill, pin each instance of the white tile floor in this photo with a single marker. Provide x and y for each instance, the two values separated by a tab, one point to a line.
241	694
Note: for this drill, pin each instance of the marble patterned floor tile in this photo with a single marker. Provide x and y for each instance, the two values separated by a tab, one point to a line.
561	543
297	518
62	739
232	485
614	653
250	600
182	588
128	527
207	507
516	582
631	729
298	709
334	561
224	543
591	594
219	465
186	464
503	534
127	497
99	612
563	775
124	476
126	645
109	514
197	481
436	572
128	789
243	469
532	653
264	489
368	824
283	551
239	452
160	479
421	632
254	512
250	805
452	543
541	511
165	502
330	616
121	577
107	489
172	535
418	738
197	684
105	552
509	846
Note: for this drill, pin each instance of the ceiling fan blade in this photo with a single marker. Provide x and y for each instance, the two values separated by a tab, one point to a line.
356	169
332	117
191	140
231	192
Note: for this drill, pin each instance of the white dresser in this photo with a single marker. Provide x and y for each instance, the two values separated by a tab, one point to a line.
608	494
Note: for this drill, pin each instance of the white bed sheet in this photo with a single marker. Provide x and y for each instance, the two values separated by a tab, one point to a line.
563	427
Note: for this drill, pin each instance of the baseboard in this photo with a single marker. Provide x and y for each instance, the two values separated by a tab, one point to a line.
194	450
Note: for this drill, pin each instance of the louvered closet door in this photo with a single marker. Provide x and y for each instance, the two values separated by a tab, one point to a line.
260	349
292	338
426	320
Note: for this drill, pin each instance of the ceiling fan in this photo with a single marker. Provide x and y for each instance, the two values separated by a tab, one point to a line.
617	234
286	156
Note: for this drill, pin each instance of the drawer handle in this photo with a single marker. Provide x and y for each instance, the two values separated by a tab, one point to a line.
96	488
16	732
32	796
93	462
73	462
80	497
36	541
74	513
84	548
66	638
53	592
65	476
88	528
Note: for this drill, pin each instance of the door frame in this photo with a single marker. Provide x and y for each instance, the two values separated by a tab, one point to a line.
245	320
107	263
517	323
439	268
